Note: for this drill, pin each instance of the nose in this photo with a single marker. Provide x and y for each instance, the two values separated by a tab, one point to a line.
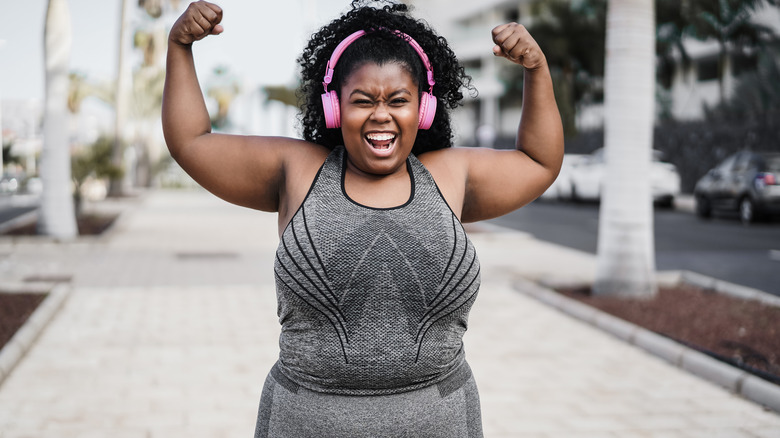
381	113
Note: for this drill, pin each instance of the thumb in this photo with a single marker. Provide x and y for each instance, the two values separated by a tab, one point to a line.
218	29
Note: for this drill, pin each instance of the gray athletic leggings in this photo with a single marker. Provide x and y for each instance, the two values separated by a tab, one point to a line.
447	410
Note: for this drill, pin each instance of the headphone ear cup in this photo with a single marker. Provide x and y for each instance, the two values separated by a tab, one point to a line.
427	110
331	109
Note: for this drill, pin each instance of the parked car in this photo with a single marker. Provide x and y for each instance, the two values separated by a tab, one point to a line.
10	183
587	179
747	183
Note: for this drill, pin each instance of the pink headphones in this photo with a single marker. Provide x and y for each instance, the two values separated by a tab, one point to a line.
330	100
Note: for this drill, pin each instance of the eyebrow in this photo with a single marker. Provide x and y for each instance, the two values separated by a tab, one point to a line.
367	94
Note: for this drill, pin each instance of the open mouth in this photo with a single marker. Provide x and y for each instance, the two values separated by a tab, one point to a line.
381	141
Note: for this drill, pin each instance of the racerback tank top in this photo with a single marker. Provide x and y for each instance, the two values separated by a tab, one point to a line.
373	300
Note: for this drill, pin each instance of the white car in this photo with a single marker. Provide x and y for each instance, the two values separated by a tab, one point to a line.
587	175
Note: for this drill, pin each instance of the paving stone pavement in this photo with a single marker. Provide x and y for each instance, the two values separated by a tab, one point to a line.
170	329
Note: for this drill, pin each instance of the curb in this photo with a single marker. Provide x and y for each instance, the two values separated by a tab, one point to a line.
23	339
674	277
23	219
121	208
737	381
731	289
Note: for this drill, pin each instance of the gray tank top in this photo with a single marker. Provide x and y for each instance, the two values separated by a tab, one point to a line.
373	300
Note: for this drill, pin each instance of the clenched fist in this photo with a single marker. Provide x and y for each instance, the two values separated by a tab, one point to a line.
514	43
200	20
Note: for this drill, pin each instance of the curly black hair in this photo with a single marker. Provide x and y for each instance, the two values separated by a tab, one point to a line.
380	45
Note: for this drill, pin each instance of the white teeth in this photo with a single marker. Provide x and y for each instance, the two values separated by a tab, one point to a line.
380	137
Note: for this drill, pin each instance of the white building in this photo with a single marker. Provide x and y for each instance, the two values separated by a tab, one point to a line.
696	86
467	26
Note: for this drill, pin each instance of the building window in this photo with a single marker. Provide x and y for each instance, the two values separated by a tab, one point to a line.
473	67
665	74
744	64
707	69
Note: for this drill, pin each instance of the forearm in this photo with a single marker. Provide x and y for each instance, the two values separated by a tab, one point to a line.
184	113
540	134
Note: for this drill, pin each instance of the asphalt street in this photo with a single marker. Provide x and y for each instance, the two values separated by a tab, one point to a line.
15	206
721	247
9	213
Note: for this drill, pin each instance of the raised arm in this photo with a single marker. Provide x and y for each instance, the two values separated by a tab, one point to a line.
244	170
540	134
184	116
487	183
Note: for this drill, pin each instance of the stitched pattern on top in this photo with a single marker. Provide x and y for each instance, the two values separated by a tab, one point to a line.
373	301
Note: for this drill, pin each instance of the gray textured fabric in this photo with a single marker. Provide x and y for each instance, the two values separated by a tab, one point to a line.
420	413
373	301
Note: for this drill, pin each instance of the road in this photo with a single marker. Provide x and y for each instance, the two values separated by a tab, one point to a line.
16	206
722	247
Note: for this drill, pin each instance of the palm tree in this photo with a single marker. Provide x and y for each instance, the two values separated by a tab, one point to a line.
135	101
224	89
121	97
147	90
148	84
670	31
571	34
2	143
56	214
626	252
81	87
729	23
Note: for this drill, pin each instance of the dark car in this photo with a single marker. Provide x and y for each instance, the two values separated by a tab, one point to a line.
746	182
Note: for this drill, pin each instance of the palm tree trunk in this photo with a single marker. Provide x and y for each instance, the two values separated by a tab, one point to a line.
725	80
56	216
115	187
626	252
2	165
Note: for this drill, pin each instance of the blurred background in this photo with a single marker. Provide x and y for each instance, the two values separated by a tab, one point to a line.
242	73
718	82
717	88
717	101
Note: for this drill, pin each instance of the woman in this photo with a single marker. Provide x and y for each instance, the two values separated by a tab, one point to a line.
375	274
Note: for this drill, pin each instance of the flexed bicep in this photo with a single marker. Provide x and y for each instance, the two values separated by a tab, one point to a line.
246	170
501	181
481	183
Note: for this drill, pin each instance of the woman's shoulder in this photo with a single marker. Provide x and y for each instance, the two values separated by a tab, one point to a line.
446	159
292	147
291	153
303	161
306	151
449	169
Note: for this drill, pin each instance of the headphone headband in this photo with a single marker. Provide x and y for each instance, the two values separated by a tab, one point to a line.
330	100
334	58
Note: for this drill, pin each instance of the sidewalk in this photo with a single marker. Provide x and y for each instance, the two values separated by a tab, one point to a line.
170	329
